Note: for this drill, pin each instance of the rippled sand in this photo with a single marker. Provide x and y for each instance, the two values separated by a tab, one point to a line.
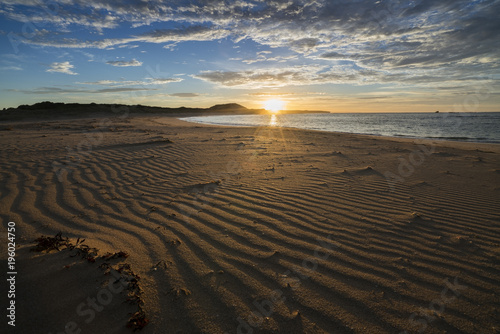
254	230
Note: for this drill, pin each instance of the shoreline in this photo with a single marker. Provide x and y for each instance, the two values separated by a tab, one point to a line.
247	228
412	137
440	142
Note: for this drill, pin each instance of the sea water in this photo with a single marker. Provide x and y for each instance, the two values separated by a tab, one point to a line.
473	127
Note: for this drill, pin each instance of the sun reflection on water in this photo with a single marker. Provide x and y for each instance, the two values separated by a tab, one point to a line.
273	121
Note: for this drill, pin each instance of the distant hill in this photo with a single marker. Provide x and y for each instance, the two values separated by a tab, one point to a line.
50	110
228	107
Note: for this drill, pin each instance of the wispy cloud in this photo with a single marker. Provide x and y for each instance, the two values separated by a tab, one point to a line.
147	81
124	63
64	67
185	94
107	86
191	33
11	68
65	90
120	90
261	57
160	81
169	37
285	76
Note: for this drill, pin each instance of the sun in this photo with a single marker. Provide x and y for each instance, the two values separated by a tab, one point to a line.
274	105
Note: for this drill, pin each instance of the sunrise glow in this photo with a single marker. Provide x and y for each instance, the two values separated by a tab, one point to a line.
274	105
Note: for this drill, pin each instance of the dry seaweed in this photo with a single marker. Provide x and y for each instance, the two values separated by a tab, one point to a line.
138	320
47	244
134	292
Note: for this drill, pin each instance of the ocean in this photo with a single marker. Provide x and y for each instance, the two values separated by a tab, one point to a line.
471	127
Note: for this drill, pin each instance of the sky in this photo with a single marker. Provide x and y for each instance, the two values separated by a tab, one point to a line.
337	55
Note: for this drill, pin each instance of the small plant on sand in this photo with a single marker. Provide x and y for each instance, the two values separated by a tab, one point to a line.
138	320
47	244
110	256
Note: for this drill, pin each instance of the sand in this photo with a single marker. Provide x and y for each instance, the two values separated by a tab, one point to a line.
249	230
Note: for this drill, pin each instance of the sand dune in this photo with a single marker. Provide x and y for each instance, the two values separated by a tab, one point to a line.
245	230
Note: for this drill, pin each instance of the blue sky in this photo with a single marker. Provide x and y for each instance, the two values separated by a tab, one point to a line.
340	55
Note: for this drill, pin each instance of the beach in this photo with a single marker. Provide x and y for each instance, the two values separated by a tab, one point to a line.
248	230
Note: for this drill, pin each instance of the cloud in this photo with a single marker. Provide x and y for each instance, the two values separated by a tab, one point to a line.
123	63
132	46
185	94
190	33
147	81
334	55
226	78
443	38
170	36
279	77
61	16
57	90
160	81
11	68
261	57
48	90
120	90
305	44
109	82
64	67
275	94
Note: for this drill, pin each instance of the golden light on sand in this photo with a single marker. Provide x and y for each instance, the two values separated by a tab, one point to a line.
274	105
